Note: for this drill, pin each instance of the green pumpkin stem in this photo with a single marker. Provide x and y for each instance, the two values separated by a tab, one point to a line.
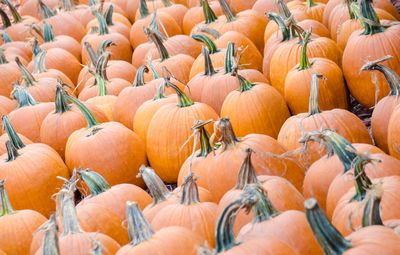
90	119
204	138
11	133
313	106
3	59
35	47
212	48
70	220
143	10
287	16
183	99
160	92
310	3
158	41
61	101
156	75
328	237
190	191
362	183
139	77
39	62
108	15
46	11
12	152
166	3
286	36
209	14
263	209
50	244
26	75
139	228
208	66
349	9
101	49
48	35
227	138
6	38
230	55
91	53
101	74
103	28
5	205
16	17
6	20
96	183
371	215
211	31
369	17
156	186
68	5
22	96
304	62
247	173
228	12
244	84
392	78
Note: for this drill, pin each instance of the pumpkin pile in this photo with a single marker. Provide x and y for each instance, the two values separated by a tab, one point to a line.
245	106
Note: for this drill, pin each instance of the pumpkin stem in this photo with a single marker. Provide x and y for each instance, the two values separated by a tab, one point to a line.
5	205
158	41
227	138
313	106
48	34
244	84
96	183
108	15
228	12
211	31
349	9
304	62
166	3
68	5
5	19
139	228
247	173
103	28
204	138
46	11
3	59
90	119
328	237
287	16
392	78
91	53
310	3
96	248
212	48
156	186
208	66
143	10
230	56
22	96
12	152
11	133
26	75
190	191
281	23
209	14
160	93
61	102
263	209
35	47
156	75
39	62
369	18
371	215
50	239
183	99
69	217
6	37
139	77
101	49
101	74
16	17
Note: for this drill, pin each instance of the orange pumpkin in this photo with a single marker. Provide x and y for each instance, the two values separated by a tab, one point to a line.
195	15
314	10
10	73
8	42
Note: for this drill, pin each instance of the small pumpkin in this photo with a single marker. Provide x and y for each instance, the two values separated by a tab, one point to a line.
10	73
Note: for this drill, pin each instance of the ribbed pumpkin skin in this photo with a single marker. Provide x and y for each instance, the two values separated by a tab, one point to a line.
7	105
315	12
28	8
100	151
4	138
199	218
35	114
18	31
114	87
323	171
171	240
344	122
260	110
362	84
65	42
56	128
195	16
340	185
225	165
293	222
115	199
259	246
74	29
9	73
36	162
283	195
288	55
151	210
17	231
332	91
393	130
346	29
344	208
168	131
105	103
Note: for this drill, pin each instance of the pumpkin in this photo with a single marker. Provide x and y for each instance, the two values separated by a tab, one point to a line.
120	49
231	152
132	97
372	240
209	17
65	42
332	91
10	73
195	15
112	198
314	10
29	8
10	134
9	43
124	145
189	212
73	240
268	108
268	223
292	130
28	109
17	227
166	157
282	193
7	105
83	13
58	125
144	240
359	45
385	107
